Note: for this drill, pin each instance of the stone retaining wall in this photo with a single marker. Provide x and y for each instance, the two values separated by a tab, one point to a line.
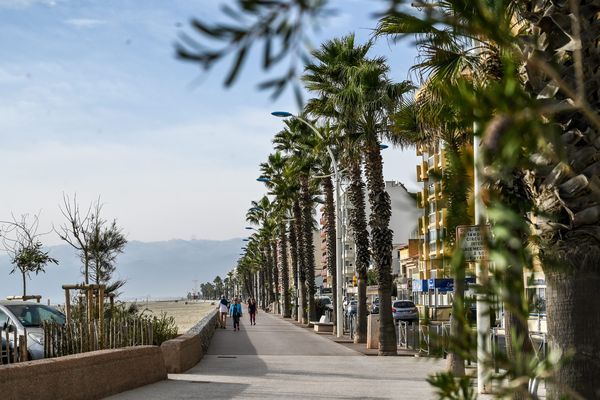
91	375
185	351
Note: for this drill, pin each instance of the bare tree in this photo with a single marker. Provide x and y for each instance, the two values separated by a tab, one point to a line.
97	241
75	230
20	239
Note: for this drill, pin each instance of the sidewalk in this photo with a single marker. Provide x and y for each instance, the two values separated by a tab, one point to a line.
276	359
346	341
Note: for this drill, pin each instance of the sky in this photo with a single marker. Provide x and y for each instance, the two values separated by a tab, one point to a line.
94	102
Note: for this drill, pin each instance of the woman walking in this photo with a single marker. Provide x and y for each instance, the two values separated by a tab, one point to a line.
236	313
223	303
252	311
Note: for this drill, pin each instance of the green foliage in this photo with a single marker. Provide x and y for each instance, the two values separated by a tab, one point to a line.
20	239
31	258
372	279
281	26
453	388
163	328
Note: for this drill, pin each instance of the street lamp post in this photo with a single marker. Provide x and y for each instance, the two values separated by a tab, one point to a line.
338	234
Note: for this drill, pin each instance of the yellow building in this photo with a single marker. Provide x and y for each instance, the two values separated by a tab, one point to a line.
432	223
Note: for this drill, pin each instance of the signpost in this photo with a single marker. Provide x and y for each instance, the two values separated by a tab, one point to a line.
472	240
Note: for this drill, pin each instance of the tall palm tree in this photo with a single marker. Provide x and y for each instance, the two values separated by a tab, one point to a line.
378	97
292	139
548	70
446	57
327	77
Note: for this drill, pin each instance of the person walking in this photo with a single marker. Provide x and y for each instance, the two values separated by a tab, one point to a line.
235	311
223	308
252	311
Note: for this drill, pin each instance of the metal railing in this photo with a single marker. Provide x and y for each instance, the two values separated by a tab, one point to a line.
350	324
423	338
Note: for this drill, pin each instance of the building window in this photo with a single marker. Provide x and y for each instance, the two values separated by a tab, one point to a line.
433	235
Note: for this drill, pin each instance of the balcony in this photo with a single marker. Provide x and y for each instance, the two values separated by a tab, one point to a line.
422	174
422	198
439	192
433	162
423	224
441	218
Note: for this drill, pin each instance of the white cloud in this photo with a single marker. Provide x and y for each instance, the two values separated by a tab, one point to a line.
84	22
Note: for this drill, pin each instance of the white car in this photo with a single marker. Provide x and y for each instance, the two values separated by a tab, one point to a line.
27	318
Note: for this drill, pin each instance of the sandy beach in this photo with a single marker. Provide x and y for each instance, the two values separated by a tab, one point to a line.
186	315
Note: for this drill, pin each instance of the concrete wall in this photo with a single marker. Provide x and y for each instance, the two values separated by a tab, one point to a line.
92	375
185	351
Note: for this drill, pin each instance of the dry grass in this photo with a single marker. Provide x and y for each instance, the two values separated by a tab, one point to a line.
186	315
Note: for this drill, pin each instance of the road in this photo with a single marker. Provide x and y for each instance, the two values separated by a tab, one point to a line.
275	359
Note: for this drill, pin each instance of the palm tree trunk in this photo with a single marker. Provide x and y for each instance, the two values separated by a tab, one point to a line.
275	277
381	242
302	315
269	277
358	224
331	242
294	266
309	247
573	314
263	288
284	271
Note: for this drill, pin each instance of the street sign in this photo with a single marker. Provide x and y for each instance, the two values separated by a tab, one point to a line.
472	241
419	285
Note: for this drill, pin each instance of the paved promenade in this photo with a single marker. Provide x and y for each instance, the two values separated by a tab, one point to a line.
275	359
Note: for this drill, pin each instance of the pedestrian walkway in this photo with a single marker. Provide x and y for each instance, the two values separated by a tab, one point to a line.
275	359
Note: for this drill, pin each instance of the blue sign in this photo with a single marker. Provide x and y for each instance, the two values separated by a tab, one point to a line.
419	285
445	285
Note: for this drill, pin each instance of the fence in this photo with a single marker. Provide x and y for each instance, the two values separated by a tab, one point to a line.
350	325
80	337
431	339
9	353
425	338
539	340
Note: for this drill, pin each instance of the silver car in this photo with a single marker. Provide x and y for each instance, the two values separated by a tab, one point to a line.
27	318
405	310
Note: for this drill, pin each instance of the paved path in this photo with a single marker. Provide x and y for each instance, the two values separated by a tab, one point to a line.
275	359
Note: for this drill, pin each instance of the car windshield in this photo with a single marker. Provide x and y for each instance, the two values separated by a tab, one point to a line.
33	315
353	302
325	300
404	304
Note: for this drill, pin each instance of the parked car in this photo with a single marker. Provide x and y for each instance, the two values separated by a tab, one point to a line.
322	305
375	307
405	310
351	307
27	318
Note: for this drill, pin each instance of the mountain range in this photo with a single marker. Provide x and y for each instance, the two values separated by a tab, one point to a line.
151	269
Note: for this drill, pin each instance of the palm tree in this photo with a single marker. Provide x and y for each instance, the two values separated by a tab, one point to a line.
446	57
292	139
327	78
378	98
548	67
